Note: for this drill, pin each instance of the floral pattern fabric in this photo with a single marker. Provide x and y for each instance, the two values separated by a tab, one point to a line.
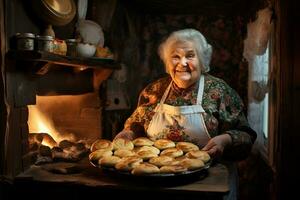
174	132
224	110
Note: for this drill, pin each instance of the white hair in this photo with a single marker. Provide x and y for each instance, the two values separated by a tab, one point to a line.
203	49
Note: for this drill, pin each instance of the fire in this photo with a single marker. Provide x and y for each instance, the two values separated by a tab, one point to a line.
39	123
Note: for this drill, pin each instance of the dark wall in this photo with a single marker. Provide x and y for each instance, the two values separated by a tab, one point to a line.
287	165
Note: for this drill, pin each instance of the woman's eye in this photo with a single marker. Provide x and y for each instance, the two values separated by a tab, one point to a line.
189	56
175	57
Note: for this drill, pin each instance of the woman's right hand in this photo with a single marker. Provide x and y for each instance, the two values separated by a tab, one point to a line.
216	145
125	134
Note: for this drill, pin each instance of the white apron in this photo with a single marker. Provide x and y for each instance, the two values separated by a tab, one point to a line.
180	123
190	123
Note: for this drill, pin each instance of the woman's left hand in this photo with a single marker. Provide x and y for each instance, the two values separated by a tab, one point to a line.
216	145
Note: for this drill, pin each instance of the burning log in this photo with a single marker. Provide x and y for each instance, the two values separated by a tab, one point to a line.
62	156
45	151
72	152
64	144
42	138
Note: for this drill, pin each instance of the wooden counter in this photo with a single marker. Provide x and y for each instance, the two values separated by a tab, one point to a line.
84	179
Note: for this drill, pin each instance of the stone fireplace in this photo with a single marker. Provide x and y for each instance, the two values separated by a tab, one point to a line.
54	108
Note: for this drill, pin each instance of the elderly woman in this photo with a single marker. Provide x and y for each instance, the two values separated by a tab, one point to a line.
191	105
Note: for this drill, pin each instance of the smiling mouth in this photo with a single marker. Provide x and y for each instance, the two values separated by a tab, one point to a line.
182	71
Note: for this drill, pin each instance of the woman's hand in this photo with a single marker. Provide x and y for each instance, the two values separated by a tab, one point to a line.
125	134
216	145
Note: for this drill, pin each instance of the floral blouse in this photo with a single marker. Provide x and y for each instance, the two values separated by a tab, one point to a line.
224	111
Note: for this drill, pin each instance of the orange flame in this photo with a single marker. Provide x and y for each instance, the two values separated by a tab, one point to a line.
39	123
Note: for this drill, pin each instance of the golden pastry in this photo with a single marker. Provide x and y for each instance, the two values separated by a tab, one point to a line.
164	144
146	154
172	152
163	160
145	168
121	143
147	148
181	158
202	155
124	153
96	155
109	161
192	164
101	144
187	146
128	163
142	141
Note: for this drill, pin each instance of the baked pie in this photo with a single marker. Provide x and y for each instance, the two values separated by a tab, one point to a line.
172	152
101	144
164	144
142	141
202	155
128	163
109	161
145	168
187	146
121	143
192	164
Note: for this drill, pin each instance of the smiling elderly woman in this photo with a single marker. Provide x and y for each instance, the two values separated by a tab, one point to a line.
191	105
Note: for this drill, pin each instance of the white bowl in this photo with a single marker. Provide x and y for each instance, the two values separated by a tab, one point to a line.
85	50
90	32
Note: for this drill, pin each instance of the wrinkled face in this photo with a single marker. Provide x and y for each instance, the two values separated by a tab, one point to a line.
183	64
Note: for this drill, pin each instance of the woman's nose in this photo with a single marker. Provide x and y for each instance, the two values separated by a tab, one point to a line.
183	61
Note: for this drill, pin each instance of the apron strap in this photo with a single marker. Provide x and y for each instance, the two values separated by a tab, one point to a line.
162	101
200	90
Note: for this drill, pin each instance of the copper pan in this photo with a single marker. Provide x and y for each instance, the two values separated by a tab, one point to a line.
55	12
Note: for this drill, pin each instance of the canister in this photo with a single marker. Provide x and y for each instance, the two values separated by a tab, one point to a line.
25	41
44	43
71	47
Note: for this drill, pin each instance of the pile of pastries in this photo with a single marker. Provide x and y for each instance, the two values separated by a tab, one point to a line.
144	156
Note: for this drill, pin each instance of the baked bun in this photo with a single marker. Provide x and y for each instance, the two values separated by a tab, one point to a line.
142	141
128	163
147	148
180	158
146	154
172	169
101	144
124	153
121	143
172	152
163	160
145	168
198	154
109	161
192	164
96	155
187	146
164	144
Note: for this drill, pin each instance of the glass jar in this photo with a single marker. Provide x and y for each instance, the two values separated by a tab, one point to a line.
44	43
25	41
71	47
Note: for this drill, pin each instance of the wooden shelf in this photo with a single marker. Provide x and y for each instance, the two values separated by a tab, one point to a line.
39	56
